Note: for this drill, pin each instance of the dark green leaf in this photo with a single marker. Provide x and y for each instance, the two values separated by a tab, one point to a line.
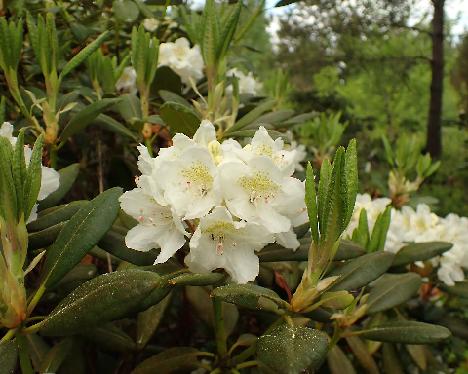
391	290
110	338
148	321
250	296
361	271
81	233
105	298
458	289
56	356
338	363
180	118
84	117
419	252
408	332
50	217
83	54
391	362
170	361
292	349
44	238
8	357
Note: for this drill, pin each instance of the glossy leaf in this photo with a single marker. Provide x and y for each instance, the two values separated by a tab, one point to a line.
105	298
250	296
292	349
81	233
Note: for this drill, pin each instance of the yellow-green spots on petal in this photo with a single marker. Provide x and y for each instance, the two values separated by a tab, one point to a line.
198	175
259	185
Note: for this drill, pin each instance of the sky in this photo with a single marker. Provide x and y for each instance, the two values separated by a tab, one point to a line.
456	11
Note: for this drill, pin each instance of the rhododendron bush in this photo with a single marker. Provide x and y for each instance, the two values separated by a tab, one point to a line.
161	212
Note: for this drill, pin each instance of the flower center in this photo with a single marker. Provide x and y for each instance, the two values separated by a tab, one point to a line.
218	232
264	150
259	186
198	177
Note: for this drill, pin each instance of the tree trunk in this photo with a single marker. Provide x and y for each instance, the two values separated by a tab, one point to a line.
434	120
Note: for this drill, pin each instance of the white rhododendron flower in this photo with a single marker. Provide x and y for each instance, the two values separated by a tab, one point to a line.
127	81
221	242
150	24
234	200
185	61
50	180
420	225
247	83
158	226
258	191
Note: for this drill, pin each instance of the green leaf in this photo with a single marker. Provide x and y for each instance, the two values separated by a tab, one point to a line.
361	232
292	349
56	356
67	177
408	332
251	116
129	108
24	357
110	124
350	180
391	290
338	363
32	183
419	252
44	238
37	348
83	55
190	279
167	80
348	250
379	232
361	271
250	296
171	360
51	217
110	338
311	202
125	10
391	362
171	96
228	30
81	233
148	321
2	108
360	350
105	298
8	357
84	118
180	118
275	252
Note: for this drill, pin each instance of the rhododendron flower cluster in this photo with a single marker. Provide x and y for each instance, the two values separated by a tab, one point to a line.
50	177
420	225
185	61
228	201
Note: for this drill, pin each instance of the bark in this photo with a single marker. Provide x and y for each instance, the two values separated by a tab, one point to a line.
434	120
